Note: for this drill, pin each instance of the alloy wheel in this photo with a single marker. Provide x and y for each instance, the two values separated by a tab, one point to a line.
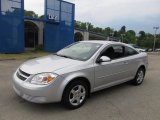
77	95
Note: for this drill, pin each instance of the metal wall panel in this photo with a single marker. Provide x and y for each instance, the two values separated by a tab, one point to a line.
11	26
60	31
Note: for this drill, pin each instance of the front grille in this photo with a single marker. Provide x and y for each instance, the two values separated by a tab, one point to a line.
22	75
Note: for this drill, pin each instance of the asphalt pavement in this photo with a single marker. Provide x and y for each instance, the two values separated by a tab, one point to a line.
122	102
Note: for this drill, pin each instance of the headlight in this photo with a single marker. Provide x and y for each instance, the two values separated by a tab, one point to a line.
43	78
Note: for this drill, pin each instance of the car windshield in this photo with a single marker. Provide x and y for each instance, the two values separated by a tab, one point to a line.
80	50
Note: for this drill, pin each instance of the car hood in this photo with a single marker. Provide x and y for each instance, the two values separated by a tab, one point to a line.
50	63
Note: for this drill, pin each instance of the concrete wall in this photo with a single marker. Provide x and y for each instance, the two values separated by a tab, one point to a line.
85	34
90	35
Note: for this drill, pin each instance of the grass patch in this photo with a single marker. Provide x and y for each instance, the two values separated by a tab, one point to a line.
23	56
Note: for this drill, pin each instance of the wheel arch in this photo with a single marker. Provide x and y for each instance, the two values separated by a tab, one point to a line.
143	67
80	78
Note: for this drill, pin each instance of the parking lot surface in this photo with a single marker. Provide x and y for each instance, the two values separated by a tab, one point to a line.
122	102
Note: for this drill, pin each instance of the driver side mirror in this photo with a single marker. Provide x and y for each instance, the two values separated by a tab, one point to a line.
103	59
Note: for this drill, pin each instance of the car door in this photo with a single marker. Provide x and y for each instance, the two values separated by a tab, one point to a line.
132	60
114	71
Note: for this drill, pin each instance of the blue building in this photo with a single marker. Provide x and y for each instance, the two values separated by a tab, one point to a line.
58	26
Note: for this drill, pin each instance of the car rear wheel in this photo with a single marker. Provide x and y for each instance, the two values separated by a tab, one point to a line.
138	80
75	95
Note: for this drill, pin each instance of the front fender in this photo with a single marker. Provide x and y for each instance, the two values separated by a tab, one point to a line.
72	76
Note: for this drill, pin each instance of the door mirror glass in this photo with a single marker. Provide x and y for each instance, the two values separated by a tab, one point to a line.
104	59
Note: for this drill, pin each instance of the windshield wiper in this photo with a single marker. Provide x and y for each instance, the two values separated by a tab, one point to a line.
67	56
63	56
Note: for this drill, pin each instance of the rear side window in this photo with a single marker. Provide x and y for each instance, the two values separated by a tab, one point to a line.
130	51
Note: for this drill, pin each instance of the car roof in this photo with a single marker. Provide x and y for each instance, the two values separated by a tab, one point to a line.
104	42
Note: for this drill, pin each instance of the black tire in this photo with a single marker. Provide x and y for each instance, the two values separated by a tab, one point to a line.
139	78
68	94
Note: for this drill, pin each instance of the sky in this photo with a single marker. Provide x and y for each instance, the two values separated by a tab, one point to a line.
134	14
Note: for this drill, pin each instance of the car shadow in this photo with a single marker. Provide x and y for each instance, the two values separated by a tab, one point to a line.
113	88
58	107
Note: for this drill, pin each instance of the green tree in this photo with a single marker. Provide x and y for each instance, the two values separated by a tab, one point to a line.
77	24
30	14
83	25
130	37
142	35
41	17
122	30
90	26
108	31
98	30
148	42
116	34
141	39
158	41
132	32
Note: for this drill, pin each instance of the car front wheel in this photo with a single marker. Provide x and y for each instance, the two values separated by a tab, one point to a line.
75	95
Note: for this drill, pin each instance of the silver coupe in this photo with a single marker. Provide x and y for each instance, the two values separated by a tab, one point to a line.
73	73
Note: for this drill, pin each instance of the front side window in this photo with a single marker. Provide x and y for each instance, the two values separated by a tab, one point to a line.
80	50
114	52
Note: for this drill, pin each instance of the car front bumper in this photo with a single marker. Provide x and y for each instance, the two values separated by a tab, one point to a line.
38	93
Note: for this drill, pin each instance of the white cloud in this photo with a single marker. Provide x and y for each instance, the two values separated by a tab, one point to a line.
34	5
110	12
135	14
107	10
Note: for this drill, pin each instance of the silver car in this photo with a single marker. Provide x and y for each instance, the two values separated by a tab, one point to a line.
73	73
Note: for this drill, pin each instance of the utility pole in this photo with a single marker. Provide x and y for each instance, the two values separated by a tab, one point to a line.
154	45
122	35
